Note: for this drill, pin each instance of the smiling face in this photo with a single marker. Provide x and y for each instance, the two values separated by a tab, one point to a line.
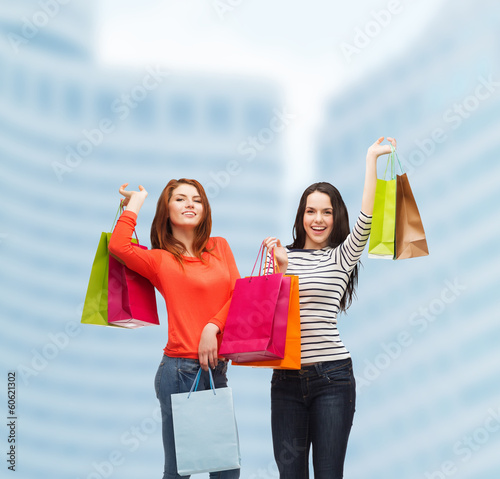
318	220
185	208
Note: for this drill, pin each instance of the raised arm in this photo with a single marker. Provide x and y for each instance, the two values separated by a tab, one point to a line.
120	245
374	151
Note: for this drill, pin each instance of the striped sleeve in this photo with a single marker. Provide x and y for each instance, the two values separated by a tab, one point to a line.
351	249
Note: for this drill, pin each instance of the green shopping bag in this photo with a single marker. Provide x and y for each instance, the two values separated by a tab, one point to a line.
383	231
95	307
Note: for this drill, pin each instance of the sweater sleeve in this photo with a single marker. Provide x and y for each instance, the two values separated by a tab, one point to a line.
352	247
140	260
220	318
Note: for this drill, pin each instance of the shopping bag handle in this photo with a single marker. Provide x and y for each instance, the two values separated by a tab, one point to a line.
272	260
267	266
260	255
391	160
194	387
121	209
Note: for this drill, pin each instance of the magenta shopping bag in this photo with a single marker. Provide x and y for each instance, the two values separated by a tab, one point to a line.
131	297
257	319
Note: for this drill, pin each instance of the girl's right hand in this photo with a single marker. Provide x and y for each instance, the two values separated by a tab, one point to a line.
133	199
271	244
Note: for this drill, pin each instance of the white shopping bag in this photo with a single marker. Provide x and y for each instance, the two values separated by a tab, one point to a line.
205	432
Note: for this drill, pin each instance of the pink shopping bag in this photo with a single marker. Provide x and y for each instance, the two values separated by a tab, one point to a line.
257	319
131	297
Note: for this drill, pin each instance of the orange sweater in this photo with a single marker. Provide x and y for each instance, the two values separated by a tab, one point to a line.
196	295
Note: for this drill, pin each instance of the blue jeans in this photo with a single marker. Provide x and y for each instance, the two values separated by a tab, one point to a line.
176	375
313	405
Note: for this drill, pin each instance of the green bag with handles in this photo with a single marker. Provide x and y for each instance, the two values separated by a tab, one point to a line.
95	307
383	231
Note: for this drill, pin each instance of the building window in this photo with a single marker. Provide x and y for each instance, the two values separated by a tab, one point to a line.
73	101
44	95
181	114
19	86
257	116
219	115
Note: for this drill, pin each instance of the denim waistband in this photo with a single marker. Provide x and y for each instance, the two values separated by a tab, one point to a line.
197	361
316	369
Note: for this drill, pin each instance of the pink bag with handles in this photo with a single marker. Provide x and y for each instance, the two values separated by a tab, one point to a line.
258	314
131	296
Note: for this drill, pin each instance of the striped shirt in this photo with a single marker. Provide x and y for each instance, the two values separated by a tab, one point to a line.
323	278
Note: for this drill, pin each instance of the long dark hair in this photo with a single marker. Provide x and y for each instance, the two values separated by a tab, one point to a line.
161	229
339	233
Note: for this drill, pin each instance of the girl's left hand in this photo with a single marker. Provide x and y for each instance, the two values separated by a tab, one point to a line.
207	347
375	150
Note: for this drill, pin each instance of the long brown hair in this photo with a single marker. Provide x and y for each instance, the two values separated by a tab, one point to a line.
339	232
161	229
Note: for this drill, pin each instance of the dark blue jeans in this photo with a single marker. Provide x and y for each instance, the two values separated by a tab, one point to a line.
176	375
313	405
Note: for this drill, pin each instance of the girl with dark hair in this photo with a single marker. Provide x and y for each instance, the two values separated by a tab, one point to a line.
315	405
195	273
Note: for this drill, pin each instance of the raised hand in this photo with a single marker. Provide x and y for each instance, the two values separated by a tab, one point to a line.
133	199
378	149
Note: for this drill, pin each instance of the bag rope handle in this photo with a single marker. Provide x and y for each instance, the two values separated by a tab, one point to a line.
276	266
267	265
392	156
194	387
121	209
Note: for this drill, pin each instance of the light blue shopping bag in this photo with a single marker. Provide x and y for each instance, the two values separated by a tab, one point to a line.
205	432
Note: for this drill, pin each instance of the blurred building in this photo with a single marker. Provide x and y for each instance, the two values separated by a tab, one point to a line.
78	123
442	104
71	132
443	95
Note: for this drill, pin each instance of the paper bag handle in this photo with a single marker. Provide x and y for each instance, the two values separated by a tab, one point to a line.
272	260
121	209
391	160
194	387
